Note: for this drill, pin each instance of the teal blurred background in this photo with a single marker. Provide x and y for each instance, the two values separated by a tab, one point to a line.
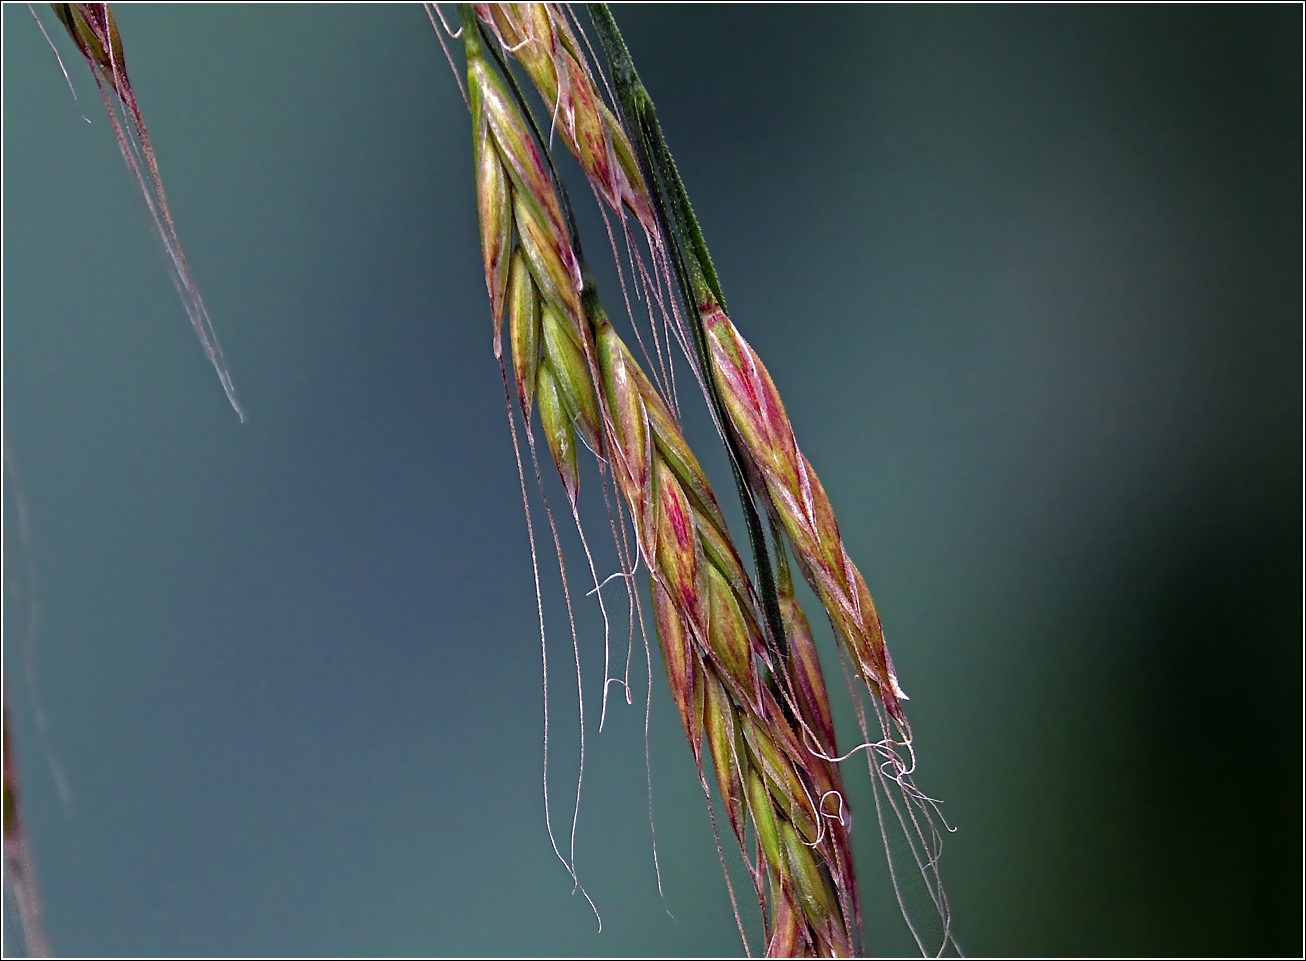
1029	281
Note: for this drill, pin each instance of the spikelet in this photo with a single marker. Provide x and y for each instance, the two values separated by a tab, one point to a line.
539	37
538	283
759	420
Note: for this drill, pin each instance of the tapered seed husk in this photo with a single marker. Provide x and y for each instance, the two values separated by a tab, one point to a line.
494	209
523	328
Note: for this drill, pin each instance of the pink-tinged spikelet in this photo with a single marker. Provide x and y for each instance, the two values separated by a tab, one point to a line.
758	416
540	38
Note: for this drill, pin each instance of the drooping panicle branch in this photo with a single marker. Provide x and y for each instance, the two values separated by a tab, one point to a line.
95	31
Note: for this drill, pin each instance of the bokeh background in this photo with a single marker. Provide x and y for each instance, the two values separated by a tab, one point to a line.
1029	280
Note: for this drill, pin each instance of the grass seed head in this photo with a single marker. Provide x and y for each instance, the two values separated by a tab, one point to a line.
540	38
759	418
512	136
539	283
758	754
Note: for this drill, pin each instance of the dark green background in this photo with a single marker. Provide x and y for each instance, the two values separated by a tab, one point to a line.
1029	281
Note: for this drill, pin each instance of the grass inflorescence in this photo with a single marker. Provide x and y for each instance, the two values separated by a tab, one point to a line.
739	654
